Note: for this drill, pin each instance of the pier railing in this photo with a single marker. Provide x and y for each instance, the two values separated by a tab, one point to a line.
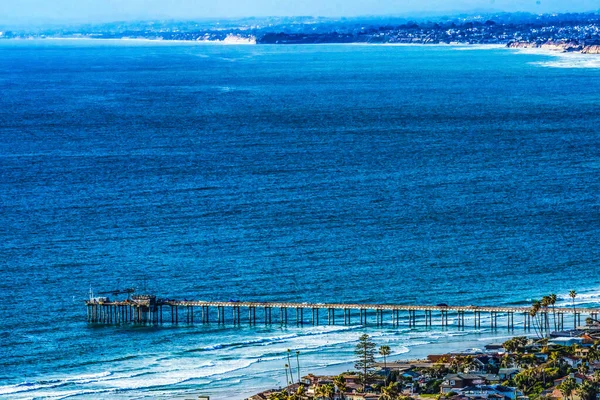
147	309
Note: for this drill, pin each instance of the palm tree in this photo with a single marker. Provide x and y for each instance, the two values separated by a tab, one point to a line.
554	357
287	378
583	368
544	304
533	312
385	351
572	295
290	366
340	382
298	364
553	304
301	392
593	353
319	392
278	396
596	377
587	391
389	392
325	391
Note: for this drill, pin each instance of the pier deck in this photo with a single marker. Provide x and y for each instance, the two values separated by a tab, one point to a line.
148	309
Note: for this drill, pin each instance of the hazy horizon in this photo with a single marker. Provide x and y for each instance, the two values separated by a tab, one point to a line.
24	12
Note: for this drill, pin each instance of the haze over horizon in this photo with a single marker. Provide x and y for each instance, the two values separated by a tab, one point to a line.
95	11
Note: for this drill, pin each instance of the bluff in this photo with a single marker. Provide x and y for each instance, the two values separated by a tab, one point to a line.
594	49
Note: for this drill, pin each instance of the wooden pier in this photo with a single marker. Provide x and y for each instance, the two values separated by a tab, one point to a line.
147	309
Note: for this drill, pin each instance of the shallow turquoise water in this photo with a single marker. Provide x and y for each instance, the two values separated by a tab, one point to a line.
302	173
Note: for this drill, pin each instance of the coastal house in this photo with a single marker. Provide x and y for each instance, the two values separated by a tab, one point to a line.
571	361
579	379
491	392
361	396
594	366
492	378
352	383
494	347
507	373
411	374
455	382
263	395
566	341
551	393
310	380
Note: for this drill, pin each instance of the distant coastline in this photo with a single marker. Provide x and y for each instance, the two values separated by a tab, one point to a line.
573	32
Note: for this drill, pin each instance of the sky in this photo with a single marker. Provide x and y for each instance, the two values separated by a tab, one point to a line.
82	11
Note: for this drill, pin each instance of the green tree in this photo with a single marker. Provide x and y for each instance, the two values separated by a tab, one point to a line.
516	344
567	387
325	391
279	395
554	357
365	363
587	391
301	392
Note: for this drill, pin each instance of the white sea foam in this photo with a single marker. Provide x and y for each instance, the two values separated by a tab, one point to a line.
478	47
53	383
571	60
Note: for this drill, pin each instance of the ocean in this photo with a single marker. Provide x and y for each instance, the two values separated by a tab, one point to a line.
315	173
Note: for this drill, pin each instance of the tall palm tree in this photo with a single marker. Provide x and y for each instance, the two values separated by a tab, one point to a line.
534	312
572	295
290	366
385	351
298	364
553	299
545	303
287	378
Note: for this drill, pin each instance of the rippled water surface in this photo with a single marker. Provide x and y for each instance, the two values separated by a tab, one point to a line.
294	173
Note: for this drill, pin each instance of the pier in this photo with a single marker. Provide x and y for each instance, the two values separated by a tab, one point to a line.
148	309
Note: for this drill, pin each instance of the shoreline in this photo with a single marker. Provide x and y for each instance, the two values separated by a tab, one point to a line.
166	42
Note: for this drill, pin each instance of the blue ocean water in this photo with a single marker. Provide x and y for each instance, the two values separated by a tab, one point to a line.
296	173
